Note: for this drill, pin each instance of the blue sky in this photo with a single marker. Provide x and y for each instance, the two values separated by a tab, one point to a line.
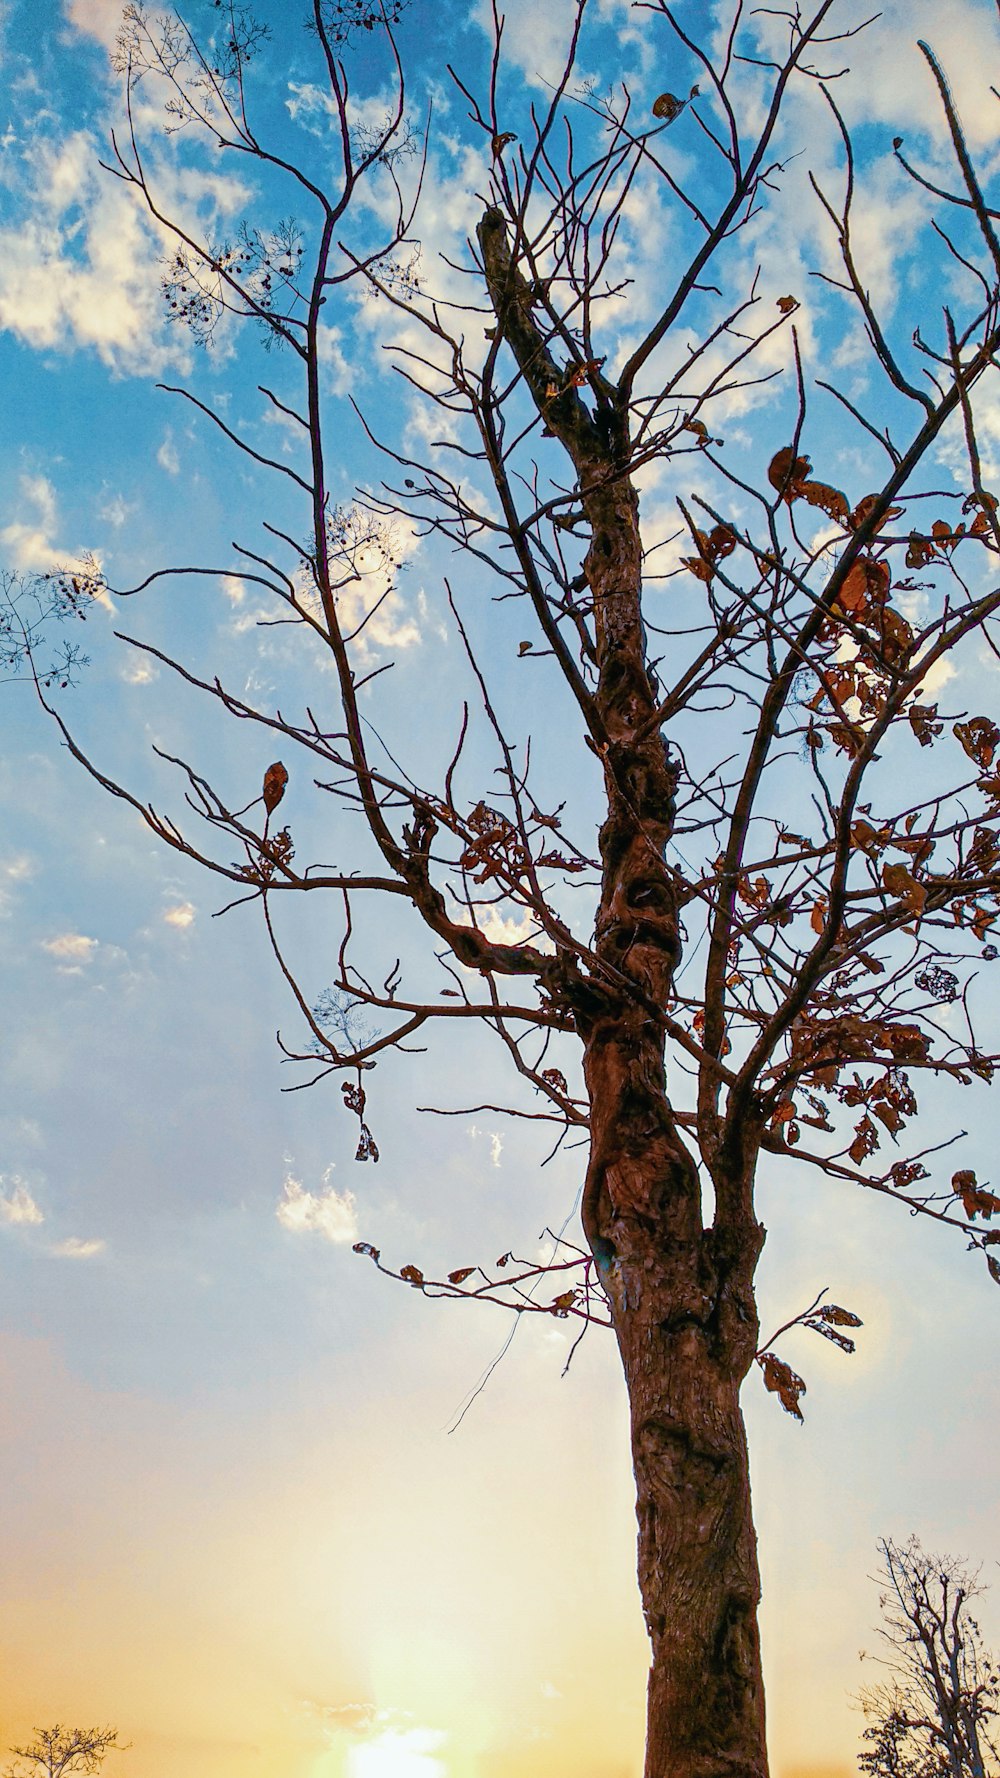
237	1524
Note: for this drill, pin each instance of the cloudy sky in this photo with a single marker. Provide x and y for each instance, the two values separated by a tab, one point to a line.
240	1519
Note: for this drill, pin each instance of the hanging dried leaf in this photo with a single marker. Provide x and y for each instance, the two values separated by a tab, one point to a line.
924	723
888	1115
976	1201
783	1382
367	1149
865	1141
712	547
831	1333
863	511
502	140
461	1274
275	779
354	1097
944	536
556	1079
920	551
829	500
367	1248
667	106
554	860
903	1174
867	838
838	1317
906	1043
979	737
413	1275
853	594
787	303
786	472
561	1305
899	880
938	982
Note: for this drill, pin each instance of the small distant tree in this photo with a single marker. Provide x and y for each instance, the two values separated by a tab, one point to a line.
933	1715
57	1751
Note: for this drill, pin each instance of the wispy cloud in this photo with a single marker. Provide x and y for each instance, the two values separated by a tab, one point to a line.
74	1248
167	456
328	1213
181	914
70	947
17	1206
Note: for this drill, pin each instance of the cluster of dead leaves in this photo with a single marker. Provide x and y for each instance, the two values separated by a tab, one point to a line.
975	1199
827	1319
712	546
367	1149
937	544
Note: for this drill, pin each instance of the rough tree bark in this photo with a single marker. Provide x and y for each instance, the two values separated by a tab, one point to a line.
681	1293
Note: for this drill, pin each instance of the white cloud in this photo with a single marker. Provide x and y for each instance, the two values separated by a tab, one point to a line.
95	18
328	1213
366	562
181	914
20	867
17	1206
535	37
234	589
938	676
139	671
115	509
70	947
516	928
495	1141
30	543
82	265
340	375
86	279
74	1248
890	81
167	456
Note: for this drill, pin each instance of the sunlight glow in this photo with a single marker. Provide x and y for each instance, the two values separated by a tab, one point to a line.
396	1753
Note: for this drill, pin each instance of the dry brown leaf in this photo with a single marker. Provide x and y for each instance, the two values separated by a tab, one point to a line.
275	779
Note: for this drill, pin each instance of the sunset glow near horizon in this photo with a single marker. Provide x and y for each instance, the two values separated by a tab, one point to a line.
259	1514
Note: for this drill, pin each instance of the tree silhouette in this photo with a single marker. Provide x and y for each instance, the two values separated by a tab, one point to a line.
933	1716
789	847
57	1752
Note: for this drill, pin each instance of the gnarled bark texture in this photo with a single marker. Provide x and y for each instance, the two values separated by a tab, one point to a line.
681	1293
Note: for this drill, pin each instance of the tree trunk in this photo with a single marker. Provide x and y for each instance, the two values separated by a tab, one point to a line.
697	1555
687	1331
681	1294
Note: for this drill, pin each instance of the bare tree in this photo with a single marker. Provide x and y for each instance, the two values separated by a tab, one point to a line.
57	1752
932	1718
788	910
